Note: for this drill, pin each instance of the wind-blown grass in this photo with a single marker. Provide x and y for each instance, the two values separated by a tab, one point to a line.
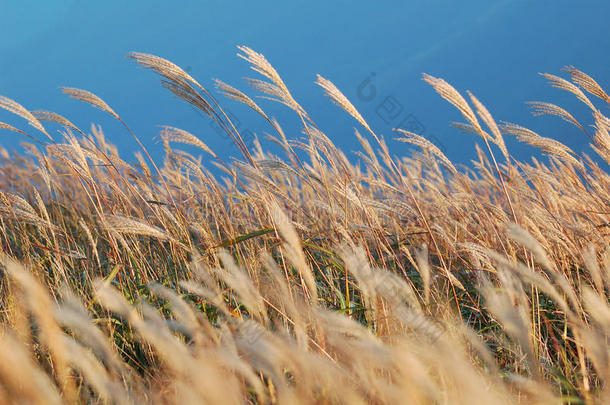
309	279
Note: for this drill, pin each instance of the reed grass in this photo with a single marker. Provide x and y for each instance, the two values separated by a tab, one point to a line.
306	278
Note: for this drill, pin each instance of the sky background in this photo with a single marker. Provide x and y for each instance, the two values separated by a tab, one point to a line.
375	52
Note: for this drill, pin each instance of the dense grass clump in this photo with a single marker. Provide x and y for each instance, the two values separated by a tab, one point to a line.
307	278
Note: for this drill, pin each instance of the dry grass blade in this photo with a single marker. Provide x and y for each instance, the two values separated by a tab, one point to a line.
274	92
40	305
133	226
548	145
563	84
234	94
467	128
588	83
339	98
261	65
185	92
15	207
162	66
491	124
16	108
177	81
449	93
277	87
171	134
295	251
22	377
425	144
53	117
542	108
89	98
6	126
524	238
423	267
454	97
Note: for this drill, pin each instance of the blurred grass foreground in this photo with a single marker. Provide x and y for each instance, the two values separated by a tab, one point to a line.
304	278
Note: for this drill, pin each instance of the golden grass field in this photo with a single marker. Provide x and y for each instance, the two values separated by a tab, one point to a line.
304	278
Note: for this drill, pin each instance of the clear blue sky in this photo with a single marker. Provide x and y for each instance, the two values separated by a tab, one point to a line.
493	48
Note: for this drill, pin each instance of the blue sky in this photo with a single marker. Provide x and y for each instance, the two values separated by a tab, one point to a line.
493	48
